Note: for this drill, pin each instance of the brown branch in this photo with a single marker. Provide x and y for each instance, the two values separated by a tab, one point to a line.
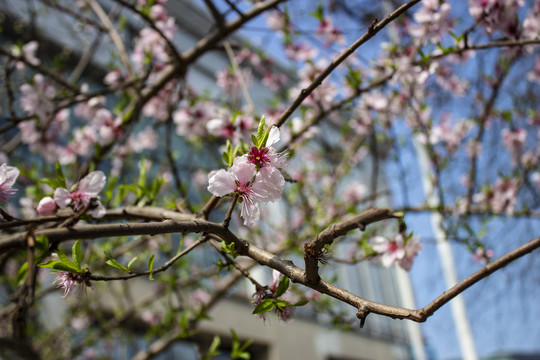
484	272
313	249
185	224
486	113
493	44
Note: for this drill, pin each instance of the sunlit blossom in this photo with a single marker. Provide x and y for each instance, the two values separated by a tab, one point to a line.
249	184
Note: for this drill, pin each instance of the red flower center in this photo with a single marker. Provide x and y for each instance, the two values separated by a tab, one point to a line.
258	157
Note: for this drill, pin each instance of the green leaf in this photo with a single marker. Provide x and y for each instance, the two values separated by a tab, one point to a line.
261	132
60	175
300	303
112	262
42	244
264	306
151	267
282	286
229	249
318	13
131	262
281	304
67	261
21	274
141	182
213	350
57	265
77	253
254	140
116	264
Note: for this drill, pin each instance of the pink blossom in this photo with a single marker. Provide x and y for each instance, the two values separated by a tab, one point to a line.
482	255
37	97
146	139
535	177
497	15
249	184
514	141
47	206
158	106
87	189
433	21
228	80
87	110
113	78
301	52
500	198
354	192
8	176
28	52
201	297
396	249
534	75
191	119
330	33
266	157
234	128
276	20
69	281
83	140
150	317
531	28
272	80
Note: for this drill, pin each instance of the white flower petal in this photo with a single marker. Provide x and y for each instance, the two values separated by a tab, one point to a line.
273	136
8	175
99	211
93	183
244	172
61	197
249	212
221	183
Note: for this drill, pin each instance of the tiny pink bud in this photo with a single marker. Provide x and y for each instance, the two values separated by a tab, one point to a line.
47	206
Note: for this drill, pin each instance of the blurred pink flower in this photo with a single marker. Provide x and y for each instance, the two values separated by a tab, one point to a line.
8	176
482	255
396	250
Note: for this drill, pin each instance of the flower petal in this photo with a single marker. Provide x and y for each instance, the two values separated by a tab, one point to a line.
61	197
221	183
99	211
93	182
273	136
249	212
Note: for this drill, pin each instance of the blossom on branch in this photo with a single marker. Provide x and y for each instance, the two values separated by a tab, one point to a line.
266	157
87	189
397	249
47	206
69	281
243	179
